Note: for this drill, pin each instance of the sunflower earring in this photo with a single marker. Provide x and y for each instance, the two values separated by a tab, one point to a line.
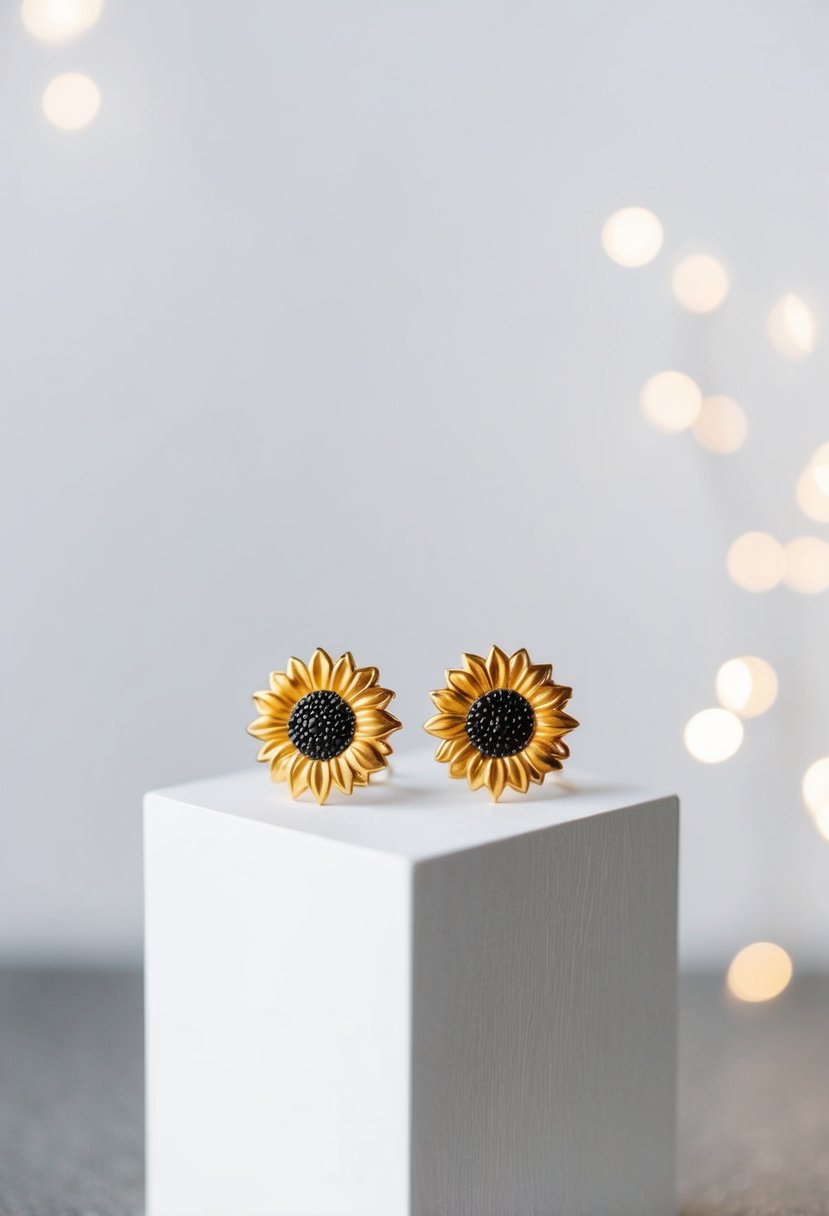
502	721
322	725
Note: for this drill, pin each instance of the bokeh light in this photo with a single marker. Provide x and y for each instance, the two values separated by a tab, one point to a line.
807	565
819	465
747	686
815	787
671	401
71	101
759	972
810	498
713	735
756	561
700	283
792	327
632	236
59	20
822	821
721	425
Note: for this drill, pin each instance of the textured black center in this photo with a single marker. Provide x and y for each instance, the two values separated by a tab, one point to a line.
321	725
500	723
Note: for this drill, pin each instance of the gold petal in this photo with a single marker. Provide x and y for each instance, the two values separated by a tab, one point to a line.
550	696
448	749
372	698
320	668
279	767
266	722
343	671
298	775
450	702
495	776
477	668
383	748
275	749
362	679
535	675
518	774
365	756
446	726
466	684
541	757
319	779
375	722
342	774
275	706
536	775
460	761
283	686
267	727
518	664
552	725
297	673
497	664
476	771
563	721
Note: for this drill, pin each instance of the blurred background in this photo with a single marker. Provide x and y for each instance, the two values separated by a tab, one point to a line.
408	329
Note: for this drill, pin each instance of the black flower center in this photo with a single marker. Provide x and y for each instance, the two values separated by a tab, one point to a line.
321	725
500	723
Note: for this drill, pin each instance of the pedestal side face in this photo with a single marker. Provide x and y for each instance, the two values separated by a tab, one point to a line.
544	1022
278	1021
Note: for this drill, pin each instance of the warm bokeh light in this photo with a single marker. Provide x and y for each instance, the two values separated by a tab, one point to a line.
747	686
713	735
632	236
721	425
807	565
822	821
756	561
700	283
792	328
815	787
71	101
671	401
810	498
759	972
819	465
59	20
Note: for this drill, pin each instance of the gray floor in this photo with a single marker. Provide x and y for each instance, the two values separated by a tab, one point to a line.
754	1098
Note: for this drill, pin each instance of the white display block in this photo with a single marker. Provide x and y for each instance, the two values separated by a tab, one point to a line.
413	1002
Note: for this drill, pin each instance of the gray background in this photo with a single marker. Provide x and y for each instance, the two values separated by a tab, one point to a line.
310	339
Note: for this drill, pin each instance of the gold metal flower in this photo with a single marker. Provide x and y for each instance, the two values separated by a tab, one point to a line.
324	724
502	721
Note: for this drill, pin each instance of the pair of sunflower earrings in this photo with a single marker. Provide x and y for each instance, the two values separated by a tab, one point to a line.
501	721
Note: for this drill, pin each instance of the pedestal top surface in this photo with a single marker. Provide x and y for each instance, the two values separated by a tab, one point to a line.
415	812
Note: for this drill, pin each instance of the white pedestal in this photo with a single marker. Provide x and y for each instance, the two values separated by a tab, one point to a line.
410	1003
